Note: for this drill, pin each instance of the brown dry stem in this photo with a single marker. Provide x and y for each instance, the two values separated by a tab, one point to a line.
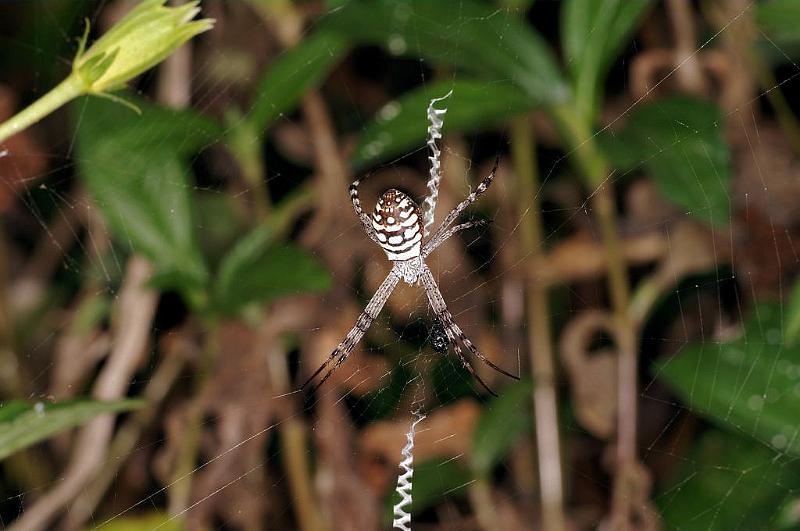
132	324
539	328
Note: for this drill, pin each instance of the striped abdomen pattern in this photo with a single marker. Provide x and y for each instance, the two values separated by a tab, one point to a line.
399	226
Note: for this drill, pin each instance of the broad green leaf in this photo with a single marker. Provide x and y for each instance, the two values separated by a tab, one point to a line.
729	482
401	125
432	481
157	128
133	166
293	74
146	203
680	143
592	33
520	5
502	423
750	385
162	521
258	270
220	222
469	35
792	331
778	22
23	424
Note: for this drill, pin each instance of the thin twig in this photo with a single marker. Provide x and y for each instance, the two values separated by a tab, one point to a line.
126	439
293	430
539	328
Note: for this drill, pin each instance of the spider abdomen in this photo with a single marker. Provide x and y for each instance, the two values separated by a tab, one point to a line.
398	224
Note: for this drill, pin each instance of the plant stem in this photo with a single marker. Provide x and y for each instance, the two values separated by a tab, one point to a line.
480	497
539	333
292	431
244	143
125	440
180	490
70	88
596	170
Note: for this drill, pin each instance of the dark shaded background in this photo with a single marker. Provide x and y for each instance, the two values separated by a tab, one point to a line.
203	256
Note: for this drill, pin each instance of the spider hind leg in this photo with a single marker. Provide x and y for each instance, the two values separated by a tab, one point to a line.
464	362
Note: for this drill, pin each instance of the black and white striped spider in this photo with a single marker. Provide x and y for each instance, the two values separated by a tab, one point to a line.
398	226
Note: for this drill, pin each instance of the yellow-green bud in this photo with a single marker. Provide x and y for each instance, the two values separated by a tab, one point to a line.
141	39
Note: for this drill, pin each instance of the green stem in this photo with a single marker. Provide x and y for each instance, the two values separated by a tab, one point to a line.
540	350
245	146
596	171
67	90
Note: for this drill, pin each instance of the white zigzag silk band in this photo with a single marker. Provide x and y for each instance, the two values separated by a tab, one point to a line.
435	119
402	517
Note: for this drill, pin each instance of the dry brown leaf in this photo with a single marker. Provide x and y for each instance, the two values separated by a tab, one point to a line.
446	432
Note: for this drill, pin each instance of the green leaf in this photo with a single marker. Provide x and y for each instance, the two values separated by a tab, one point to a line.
293	74
778	20
750	385
432	481
792	331
133	166
157	128
592	33
402	125
502	423
471	36
23	424
257	270
728	482
220	222
680	143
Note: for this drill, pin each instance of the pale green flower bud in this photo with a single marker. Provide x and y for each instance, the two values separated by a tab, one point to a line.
141	39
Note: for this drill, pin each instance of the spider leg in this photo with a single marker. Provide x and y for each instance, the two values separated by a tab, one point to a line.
432	244
371	311
472	348
451	328
365	221
453	215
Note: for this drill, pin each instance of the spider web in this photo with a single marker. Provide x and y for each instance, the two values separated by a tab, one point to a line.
709	465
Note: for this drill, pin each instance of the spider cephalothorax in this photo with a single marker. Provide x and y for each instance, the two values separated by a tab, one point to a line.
398	226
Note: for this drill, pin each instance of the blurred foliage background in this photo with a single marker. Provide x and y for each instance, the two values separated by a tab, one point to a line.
171	274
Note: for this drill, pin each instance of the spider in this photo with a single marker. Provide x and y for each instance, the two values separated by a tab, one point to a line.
397	226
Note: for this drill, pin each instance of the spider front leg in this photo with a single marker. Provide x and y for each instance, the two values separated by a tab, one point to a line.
365	221
471	198
434	243
370	313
